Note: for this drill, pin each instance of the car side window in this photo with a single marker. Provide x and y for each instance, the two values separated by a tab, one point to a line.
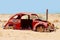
17	17
24	17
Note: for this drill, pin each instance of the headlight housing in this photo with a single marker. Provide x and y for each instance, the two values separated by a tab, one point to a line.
50	27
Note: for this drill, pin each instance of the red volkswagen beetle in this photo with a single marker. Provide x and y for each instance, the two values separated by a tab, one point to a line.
28	21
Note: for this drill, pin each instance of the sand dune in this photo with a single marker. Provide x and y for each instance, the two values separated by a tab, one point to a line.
28	34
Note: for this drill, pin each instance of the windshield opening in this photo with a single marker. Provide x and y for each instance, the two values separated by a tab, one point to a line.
34	17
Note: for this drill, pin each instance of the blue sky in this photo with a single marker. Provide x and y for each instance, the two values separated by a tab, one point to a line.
36	6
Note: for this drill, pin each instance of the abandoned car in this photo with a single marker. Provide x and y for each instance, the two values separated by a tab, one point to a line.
28	21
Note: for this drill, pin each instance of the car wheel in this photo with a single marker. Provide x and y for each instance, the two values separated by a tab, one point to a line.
40	28
10	27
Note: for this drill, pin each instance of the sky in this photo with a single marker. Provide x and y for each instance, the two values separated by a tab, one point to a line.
36	6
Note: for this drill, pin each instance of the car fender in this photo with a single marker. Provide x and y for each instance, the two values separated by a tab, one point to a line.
36	25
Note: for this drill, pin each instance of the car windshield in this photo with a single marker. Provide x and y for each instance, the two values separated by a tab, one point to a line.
34	17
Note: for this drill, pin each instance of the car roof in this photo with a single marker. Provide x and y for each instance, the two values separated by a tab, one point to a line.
26	13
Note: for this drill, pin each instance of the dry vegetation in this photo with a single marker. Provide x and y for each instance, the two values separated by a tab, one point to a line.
28	34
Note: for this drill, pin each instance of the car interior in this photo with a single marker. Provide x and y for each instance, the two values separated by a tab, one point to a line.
26	23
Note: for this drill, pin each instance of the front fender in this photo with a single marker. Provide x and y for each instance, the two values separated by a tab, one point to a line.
36	25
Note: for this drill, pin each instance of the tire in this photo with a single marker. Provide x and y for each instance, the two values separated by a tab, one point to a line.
40	28
10	27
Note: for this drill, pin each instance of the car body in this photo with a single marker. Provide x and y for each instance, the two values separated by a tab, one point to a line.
28	21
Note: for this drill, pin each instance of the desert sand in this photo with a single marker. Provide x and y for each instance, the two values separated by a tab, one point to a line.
28	34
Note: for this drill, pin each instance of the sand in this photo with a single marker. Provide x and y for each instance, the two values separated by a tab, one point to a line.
28	34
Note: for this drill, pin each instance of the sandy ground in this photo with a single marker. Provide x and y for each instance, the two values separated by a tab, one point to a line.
28	34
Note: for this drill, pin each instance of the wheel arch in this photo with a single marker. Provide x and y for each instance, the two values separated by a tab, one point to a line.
38	24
